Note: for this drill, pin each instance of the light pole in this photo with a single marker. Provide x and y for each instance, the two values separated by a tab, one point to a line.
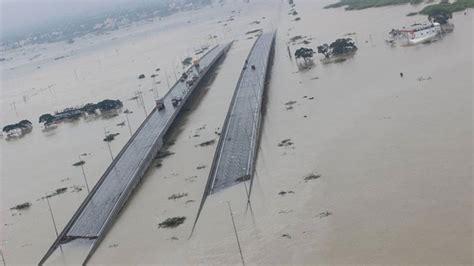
235	231
3	258
140	95
54	222
128	123
84	173
108	144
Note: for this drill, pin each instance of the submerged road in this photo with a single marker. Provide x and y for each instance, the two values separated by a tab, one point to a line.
234	160
98	211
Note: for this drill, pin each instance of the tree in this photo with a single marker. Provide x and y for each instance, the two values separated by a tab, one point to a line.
338	47
305	53
90	108
23	125
441	17
46	118
324	49
108	105
342	46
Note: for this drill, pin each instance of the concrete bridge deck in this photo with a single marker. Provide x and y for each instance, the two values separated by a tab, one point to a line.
235	157
100	208
236	152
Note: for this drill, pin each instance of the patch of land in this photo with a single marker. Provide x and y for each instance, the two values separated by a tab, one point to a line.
362	4
459	5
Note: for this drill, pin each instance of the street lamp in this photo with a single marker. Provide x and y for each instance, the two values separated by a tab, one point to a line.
84	173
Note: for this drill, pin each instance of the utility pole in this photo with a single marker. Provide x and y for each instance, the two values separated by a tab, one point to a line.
236	234
52	216
174	71
52	219
14	107
167	80
84	175
140	94
128	123
3	258
108	144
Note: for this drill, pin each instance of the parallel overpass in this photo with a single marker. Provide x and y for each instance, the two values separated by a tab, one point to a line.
99	210
235	157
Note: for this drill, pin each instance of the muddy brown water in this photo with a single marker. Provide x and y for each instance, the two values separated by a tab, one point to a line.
394	154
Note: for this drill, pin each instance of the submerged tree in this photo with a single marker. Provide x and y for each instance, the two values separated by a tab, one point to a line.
187	61
324	49
108	105
23	125
343	46
441	17
90	108
46	118
338	47
305	53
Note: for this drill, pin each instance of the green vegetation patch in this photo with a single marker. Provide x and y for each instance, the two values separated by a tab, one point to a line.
362	4
441	8
459	5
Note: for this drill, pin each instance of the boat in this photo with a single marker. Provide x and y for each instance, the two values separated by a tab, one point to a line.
419	33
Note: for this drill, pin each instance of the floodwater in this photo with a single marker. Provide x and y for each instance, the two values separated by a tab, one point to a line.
394	154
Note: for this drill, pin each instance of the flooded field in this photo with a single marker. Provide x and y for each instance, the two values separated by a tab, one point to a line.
390	157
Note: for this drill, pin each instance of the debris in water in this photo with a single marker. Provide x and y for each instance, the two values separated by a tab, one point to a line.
282	193
158	164
423	78
285	212
189	201
285	143
289	105
58	191
172	222
177	196
254	31
207	143
76	189
163	154
311	98
113	245
286	235
296	38
201	167
324	214
187	61
243	178
191	179
22	206
311	177
142	76
110	137
174	238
